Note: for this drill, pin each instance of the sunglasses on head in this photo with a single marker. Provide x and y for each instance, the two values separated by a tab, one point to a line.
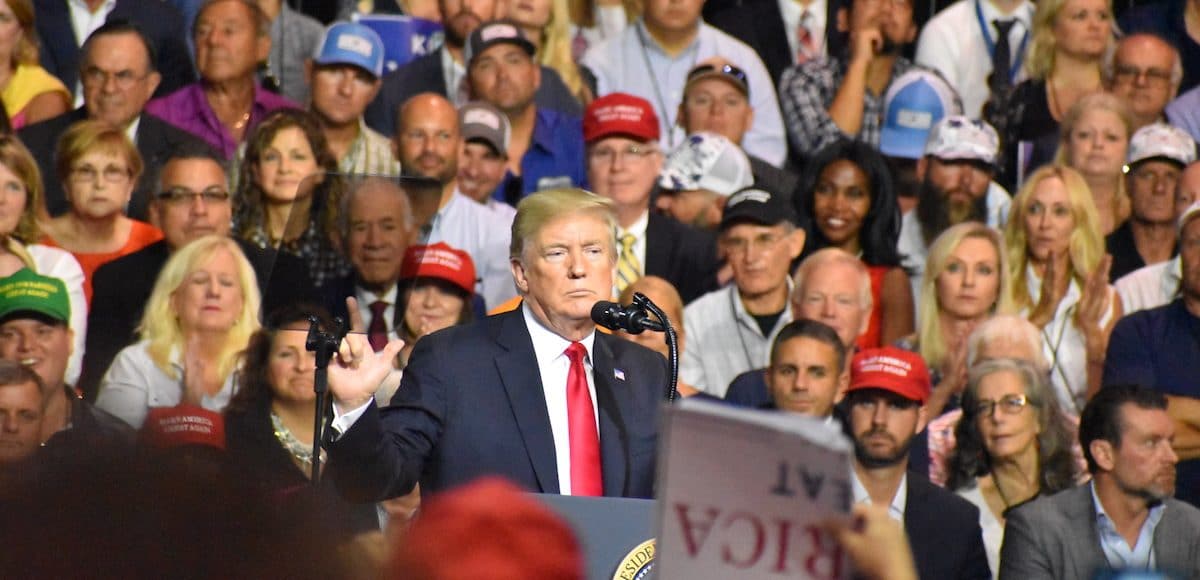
726	69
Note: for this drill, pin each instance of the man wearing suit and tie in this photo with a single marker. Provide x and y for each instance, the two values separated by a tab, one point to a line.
1126	517
535	395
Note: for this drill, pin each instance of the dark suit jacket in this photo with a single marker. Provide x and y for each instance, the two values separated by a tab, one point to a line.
685	256
121	288
471	404
156	141
944	532
1055	537
424	75
159	21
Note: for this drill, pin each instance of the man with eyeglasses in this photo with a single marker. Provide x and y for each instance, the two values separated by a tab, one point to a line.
623	159
1157	155
730	330
1144	72
118	78
193	201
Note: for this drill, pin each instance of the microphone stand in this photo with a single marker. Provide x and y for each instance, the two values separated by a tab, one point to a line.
642	301
325	344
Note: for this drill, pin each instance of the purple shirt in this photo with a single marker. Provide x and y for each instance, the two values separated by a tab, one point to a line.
188	110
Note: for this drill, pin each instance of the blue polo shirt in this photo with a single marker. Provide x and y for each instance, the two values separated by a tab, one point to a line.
554	159
1160	348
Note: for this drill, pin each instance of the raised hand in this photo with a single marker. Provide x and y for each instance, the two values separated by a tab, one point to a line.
356	371
1094	304
195	374
1055	281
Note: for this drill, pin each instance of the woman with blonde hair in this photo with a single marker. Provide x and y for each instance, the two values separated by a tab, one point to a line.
547	24
1095	142
30	94
593	21
99	168
200	316
966	282
1060	279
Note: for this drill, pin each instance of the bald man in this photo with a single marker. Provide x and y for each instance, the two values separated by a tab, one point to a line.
664	295
1145	72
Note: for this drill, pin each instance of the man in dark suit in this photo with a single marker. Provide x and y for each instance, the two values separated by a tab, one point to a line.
1125	518
193	201
118	79
489	398
884	411
623	163
161	22
430	73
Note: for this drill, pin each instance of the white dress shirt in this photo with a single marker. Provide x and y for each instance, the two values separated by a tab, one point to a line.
454	74
899	501
1150	286
792	11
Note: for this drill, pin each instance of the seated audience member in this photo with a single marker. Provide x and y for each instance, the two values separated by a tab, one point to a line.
1095	142
1060	279
716	99
730	330
343	77
808	372
121	53
1157	284
98	168
699	176
193	202
979	47
623	159
35	332
227	103
437	284
428	142
288	193
955	175
444	71
968	282
1013	445
546	23
662	294
782	34
1124	519
483	159
19	234
202	312
825	100
652	58
1159	348
30	93
22	408
847	202
545	149
295	37
1145	72
884	412
1063	65
914	104
1158	154
1168	20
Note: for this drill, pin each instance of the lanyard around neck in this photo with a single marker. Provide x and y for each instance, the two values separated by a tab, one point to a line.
991	43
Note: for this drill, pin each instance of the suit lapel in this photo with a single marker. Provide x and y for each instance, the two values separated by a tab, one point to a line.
612	397
1172	540
518	370
54	24
1084	545
658	247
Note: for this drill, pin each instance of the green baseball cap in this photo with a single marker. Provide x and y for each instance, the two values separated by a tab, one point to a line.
27	291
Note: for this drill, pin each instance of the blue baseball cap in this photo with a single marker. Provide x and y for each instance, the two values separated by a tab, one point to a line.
914	103
351	43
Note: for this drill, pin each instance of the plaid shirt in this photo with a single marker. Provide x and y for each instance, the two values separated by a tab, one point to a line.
324	263
369	154
805	93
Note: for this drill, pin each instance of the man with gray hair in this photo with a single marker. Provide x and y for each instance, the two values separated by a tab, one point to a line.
1145	72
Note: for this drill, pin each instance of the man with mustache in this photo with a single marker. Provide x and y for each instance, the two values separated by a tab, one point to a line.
885	409
1125	518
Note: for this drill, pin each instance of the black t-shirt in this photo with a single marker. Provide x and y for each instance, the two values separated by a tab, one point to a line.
1125	257
766	322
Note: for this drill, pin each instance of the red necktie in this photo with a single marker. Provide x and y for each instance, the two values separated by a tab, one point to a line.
581	428
377	331
807	47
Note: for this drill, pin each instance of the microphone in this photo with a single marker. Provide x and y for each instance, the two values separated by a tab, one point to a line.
632	319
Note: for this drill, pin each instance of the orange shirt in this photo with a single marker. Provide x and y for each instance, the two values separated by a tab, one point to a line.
141	234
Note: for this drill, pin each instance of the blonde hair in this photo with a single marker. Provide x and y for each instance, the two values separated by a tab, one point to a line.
1040	61
90	136
555	50
932	343
1100	101
160	323
1086	246
17	159
27	49
538	210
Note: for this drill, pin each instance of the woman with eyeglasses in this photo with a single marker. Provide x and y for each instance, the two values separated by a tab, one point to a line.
1013	444
99	168
30	93
1095	142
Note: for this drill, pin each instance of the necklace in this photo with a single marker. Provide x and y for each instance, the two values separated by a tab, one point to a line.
241	123
302	452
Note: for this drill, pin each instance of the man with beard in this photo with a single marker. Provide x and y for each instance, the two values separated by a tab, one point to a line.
428	141
444	71
956	186
1125	518
884	412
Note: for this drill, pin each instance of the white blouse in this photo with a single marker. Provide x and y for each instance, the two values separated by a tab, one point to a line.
134	384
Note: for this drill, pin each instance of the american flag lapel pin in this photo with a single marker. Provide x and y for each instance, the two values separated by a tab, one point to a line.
619	374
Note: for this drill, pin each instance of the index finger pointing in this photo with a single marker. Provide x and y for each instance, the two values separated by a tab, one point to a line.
356	318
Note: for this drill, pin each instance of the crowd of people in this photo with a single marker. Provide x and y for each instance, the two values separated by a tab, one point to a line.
968	237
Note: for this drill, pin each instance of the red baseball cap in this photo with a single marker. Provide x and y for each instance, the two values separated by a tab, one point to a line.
168	427
442	262
892	369
620	114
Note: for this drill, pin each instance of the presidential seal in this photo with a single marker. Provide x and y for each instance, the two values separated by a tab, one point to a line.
638	563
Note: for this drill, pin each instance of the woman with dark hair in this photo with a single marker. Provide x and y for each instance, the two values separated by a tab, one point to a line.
1013	444
288	193
437	286
846	199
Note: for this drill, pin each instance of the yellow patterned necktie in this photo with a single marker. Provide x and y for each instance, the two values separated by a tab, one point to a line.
629	269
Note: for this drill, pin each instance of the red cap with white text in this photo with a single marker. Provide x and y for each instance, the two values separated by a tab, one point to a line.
620	114
892	369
